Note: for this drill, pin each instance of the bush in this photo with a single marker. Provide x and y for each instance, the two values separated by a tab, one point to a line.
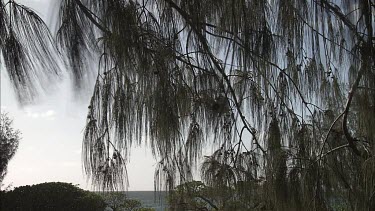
118	201
51	196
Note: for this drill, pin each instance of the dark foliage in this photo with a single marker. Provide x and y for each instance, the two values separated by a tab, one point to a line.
51	196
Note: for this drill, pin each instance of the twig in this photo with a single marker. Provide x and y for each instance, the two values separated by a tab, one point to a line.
329	131
90	15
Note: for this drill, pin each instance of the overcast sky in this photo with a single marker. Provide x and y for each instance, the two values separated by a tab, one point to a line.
52	130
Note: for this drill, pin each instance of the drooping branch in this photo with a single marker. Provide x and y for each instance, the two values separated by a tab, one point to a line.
92	17
368	59
203	41
339	14
352	140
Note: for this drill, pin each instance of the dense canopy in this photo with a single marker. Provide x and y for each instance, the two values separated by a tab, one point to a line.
282	90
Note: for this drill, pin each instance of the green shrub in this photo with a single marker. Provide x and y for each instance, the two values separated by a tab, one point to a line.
51	196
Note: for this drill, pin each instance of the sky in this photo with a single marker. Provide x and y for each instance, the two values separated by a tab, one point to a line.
52	132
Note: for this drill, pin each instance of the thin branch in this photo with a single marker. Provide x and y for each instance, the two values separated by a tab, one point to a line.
209	202
339	14
332	150
347	134
329	131
92	17
203	41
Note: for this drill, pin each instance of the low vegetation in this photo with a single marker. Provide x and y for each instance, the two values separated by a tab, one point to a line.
51	196
58	196
118	201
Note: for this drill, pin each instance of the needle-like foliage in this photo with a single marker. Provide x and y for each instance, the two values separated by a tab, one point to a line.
282	90
27	50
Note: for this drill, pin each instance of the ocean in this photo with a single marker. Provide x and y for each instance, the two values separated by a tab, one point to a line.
151	199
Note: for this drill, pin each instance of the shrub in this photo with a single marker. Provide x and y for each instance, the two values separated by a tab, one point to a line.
51	196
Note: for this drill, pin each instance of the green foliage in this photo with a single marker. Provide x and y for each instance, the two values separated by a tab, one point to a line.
186	196
132	204
9	140
51	196
281	90
114	200
118	201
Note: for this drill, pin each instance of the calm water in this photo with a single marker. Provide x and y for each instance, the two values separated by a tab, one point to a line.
151	199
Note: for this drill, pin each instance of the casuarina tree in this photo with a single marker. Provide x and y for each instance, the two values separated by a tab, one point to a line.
283	91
